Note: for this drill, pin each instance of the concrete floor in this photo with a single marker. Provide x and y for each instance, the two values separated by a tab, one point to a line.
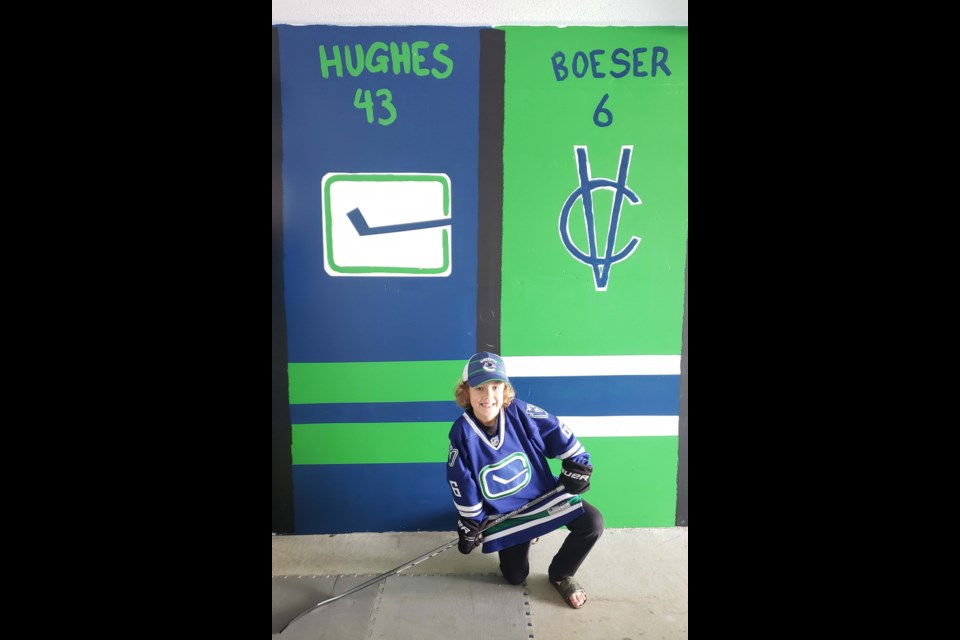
635	579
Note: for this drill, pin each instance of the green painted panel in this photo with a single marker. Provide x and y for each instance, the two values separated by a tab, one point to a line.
550	300
420	381
370	442
635	480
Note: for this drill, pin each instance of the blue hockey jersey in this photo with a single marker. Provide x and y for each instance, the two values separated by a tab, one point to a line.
491	475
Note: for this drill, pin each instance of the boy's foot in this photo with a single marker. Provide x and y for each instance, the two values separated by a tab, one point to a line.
571	591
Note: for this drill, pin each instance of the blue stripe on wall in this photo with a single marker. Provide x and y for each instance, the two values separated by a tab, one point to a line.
375	412
347	498
602	395
571	396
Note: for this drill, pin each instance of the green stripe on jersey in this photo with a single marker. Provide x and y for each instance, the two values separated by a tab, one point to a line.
521	519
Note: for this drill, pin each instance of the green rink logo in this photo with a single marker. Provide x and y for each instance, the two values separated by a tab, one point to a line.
387	224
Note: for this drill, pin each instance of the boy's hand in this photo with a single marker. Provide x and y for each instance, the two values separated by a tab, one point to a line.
575	477
469	532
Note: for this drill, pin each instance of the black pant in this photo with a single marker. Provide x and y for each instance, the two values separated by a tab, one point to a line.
584	532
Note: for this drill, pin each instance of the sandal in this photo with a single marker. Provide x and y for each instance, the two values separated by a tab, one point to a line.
567	587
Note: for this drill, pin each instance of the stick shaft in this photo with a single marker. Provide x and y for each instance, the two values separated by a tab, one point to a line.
425	556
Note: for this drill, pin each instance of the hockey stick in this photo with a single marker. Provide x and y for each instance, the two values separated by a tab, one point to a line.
426	556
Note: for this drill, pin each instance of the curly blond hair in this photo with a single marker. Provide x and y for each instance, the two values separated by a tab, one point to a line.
461	394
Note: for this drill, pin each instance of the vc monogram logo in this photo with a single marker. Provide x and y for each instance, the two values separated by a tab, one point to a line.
601	264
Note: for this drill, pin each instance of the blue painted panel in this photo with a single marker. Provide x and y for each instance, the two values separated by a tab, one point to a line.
375	412
588	395
355	319
603	395
346	498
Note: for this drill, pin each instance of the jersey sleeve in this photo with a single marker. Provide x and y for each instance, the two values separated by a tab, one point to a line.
558	440
466	493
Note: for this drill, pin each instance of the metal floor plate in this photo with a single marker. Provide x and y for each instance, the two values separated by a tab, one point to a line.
421	607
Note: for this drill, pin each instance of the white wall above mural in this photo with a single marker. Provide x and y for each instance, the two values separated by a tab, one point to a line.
489	12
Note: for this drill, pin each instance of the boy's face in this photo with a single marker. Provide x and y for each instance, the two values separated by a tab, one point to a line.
487	400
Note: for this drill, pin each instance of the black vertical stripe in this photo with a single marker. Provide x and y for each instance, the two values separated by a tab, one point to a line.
490	185
282	492
681	520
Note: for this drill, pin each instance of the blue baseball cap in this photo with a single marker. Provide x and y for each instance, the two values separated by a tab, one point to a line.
484	367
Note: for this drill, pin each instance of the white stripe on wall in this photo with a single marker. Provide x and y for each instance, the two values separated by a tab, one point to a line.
543	366
609	426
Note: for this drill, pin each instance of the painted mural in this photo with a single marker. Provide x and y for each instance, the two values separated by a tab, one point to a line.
448	190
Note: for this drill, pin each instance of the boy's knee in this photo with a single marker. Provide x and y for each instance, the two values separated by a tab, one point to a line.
596	521
592	525
515	576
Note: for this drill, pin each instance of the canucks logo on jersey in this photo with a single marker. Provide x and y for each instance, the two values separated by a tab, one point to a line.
505	477
536	412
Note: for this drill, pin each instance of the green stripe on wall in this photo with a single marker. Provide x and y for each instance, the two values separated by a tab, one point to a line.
420	381
370	442
634	482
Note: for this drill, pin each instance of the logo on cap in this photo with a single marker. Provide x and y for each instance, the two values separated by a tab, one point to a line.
482	367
